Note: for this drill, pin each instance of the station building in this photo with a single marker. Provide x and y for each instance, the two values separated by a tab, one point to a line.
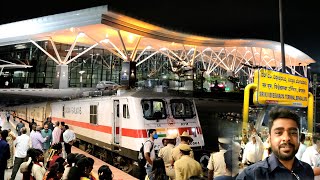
81	48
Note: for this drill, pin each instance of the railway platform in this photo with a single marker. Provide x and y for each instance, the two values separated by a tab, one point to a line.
117	173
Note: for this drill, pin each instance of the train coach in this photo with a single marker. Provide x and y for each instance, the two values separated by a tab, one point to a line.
114	127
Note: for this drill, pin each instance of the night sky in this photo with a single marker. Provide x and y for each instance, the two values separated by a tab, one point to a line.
215	18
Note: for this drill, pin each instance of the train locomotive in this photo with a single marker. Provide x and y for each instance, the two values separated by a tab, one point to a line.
114	127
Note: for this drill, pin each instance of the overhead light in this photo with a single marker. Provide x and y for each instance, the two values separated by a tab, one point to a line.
20	46
81	72
130	38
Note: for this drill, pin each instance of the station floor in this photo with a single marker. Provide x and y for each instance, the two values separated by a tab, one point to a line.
117	173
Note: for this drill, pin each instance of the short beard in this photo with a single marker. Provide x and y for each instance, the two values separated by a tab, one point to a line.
285	157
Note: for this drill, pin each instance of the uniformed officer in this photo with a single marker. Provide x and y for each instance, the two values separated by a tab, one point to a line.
185	139
186	166
216	165
165	154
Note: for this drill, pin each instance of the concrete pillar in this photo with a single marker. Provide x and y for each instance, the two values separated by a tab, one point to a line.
62	77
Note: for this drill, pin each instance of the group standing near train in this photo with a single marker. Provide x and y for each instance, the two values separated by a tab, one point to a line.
114	127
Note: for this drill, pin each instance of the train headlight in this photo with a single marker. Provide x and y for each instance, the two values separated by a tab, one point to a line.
194	132
173	132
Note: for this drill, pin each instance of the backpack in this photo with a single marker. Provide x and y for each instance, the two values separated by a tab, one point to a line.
141	158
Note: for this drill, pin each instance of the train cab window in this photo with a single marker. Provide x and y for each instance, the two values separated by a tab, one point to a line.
182	108
93	114
154	109
126	111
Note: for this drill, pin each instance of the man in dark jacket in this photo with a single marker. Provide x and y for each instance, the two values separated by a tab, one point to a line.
4	153
31	124
284	139
49	122
19	126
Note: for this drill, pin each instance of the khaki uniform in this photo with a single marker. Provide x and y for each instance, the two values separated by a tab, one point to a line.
186	167
176	153
217	164
165	154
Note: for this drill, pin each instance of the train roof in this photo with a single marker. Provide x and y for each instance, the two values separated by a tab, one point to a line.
141	93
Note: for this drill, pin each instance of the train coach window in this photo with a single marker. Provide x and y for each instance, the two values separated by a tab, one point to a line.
126	111
63	111
93	114
154	109
182	108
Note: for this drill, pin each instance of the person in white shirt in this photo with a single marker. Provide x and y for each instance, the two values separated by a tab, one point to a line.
302	146
56	133
33	130
149	151
68	137
312	156
38	170
253	151
266	148
22	144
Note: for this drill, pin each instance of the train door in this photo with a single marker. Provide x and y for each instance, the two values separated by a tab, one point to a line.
115	122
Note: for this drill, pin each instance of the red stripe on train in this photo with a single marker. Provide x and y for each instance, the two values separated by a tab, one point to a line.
135	133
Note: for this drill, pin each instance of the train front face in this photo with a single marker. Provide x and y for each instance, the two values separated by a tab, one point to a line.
172	116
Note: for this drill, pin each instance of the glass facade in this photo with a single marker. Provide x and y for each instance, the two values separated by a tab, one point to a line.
97	64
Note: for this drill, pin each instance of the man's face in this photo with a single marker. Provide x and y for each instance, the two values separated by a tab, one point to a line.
154	135
284	138
41	158
46	128
254	140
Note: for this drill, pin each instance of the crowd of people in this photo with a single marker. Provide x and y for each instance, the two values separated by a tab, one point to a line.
282	154
172	161
45	154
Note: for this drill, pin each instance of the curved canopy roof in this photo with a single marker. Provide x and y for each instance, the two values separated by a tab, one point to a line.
121	34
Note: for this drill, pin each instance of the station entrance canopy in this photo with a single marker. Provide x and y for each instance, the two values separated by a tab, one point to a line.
133	40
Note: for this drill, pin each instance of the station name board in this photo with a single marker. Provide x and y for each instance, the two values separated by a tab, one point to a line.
280	88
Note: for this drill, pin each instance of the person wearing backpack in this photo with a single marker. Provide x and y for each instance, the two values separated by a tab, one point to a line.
148	150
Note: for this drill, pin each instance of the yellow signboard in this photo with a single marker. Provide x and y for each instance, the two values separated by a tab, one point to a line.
280	88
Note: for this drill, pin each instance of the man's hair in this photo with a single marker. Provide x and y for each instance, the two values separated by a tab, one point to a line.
4	134
23	130
66	127
150	131
277	113
71	158
56	146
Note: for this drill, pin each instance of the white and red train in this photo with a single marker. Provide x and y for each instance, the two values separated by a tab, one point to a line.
114	127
